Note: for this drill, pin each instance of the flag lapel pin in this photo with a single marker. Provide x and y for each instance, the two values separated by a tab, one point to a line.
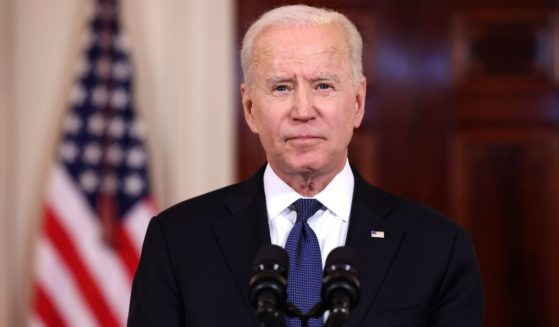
377	234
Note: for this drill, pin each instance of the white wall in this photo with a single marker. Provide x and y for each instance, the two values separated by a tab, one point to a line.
184	56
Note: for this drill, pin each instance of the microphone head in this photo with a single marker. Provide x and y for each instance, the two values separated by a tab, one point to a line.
271	257
342	257
340	276
270	267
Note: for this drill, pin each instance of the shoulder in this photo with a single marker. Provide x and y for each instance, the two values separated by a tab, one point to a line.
412	215
409	215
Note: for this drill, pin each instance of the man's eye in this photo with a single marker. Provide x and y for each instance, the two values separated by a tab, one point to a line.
324	86
280	88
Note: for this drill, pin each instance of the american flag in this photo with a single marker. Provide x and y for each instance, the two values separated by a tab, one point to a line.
377	234
98	202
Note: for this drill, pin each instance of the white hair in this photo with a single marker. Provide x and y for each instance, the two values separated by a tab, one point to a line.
297	15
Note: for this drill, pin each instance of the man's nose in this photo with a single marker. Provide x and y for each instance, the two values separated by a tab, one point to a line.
303	106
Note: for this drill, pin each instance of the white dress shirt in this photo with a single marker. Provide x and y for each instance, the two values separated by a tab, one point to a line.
329	223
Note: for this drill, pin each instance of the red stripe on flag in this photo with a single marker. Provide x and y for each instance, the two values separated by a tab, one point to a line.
127	251
45	309
84	280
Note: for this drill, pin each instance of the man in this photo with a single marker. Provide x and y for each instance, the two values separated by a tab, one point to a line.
303	94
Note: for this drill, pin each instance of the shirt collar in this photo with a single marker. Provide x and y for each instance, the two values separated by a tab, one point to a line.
336	196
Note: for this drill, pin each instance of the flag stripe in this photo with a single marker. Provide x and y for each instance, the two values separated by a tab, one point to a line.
85	281
51	274
128	253
35	321
46	310
108	270
137	220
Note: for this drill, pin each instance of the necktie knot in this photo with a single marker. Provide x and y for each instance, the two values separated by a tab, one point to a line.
306	208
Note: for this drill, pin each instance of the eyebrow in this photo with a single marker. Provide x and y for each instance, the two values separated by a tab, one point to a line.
278	80
325	77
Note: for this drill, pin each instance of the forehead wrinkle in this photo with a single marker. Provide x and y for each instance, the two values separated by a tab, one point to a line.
336	39
317	66
268	52
286	63
260	57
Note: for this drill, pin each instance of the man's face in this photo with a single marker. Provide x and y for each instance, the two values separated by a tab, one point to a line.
302	100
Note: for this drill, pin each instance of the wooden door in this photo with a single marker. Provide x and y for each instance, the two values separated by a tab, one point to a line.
462	115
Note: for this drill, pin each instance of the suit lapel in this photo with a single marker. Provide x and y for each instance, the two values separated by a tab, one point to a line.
368	213
244	232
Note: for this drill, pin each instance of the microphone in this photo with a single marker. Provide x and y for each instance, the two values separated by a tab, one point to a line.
268	285
340	286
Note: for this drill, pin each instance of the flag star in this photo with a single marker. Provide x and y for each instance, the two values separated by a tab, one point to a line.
137	130
72	124
133	185
82	67
96	124
122	70
68	151
117	127
119	98
122	43
92	153
100	96
77	95
114	154
89	181
136	157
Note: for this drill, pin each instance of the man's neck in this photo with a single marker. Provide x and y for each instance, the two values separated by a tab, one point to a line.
309	183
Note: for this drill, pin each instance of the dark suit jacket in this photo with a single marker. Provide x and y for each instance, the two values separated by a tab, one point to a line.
197	256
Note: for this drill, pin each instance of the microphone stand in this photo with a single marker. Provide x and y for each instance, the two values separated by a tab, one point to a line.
337	317
316	311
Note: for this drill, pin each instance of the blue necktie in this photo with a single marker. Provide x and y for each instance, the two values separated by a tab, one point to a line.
305	263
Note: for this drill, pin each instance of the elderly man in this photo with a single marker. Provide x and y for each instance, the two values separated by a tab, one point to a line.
303	94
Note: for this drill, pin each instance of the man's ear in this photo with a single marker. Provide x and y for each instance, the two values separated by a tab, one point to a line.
360	103
246	98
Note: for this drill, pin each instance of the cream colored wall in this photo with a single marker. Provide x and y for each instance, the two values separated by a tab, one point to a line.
4	150
184	56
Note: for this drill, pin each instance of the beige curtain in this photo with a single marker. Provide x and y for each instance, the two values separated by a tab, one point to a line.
184	57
